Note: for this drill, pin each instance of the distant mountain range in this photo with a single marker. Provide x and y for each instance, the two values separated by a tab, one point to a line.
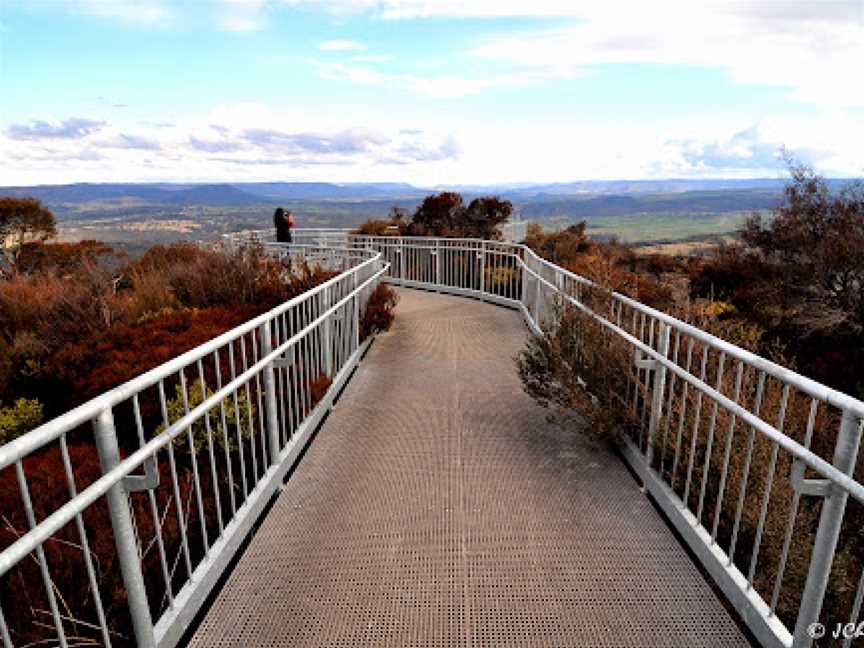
250	193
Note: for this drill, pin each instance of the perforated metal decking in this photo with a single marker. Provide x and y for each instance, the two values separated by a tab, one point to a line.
437	507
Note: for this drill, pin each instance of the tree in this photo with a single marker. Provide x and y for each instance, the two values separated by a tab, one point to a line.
815	240
483	216
22	220
438	215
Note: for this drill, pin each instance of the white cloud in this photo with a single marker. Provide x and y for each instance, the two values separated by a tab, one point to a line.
435	87
817	56
132	11
258	142
815	49
372	58
342	45
242	15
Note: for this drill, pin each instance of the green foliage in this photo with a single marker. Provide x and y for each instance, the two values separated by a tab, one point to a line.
21	417
223	430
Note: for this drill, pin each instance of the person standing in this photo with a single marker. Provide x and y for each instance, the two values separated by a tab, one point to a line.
284	222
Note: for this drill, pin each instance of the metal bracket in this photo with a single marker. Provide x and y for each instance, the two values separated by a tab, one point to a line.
643	361
284	362
814	487
148	481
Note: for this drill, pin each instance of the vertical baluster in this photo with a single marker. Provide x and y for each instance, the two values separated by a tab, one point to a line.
793	514
193	456
40	555
695	431
730	433
658	390
262	405
682	415
154	509
708	448
766	494
745	472
669	403
241	433
128	554
85	545
226	444
249	407
172	464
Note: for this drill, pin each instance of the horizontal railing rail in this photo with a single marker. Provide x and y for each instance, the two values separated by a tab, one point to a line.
214	430
751	462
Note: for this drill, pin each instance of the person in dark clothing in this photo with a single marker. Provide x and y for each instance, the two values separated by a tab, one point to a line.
283	221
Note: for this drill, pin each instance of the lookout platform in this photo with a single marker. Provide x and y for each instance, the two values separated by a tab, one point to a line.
437	506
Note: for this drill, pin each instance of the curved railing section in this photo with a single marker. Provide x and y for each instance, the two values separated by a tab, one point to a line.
709	415
191	453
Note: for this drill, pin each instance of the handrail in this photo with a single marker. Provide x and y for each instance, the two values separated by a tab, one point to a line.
522	280
254	409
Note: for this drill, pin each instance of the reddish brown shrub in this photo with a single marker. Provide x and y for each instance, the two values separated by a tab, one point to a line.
378	315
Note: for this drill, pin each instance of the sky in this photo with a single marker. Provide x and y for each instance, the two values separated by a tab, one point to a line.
428	92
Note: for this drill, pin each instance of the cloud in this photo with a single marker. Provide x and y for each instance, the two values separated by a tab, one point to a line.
440	87
813	49
345	142
242	15
421	152
752	149
125	141
72	128
213	146
816	55
130	11
342	45
372	58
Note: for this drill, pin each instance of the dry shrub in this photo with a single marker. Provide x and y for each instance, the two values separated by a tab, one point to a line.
576	364
378	315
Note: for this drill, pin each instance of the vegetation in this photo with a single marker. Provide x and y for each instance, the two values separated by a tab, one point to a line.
77	320
791	291
445	214
22	220
378	315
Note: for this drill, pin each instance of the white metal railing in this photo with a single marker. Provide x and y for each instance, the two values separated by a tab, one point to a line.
690	411
215	431
664	381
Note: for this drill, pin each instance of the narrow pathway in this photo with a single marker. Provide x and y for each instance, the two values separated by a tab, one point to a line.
438	507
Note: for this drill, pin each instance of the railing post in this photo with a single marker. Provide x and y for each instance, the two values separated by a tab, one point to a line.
524	277
828	532
117	499
327	333
483	267
270	395
356	313
537	302
437	262
401	252
658	391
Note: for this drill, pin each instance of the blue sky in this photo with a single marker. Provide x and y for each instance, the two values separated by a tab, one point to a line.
425	91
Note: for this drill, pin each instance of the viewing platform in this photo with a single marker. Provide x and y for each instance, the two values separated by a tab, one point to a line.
301	480
437	506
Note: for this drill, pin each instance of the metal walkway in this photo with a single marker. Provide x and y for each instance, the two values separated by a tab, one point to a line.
438	507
